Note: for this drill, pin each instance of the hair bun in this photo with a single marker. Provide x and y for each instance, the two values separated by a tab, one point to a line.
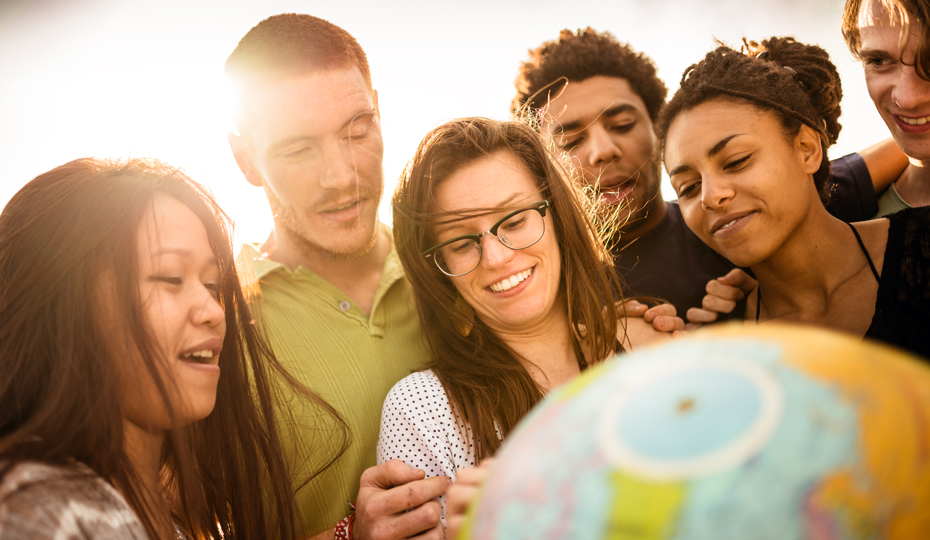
811	66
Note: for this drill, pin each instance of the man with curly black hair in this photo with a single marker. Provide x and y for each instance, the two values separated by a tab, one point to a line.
596	100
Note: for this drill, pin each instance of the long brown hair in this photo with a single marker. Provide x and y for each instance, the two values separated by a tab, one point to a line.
486	382
59	394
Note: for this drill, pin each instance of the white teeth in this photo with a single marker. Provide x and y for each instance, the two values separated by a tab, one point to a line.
915	121
206	353
508	283
728	225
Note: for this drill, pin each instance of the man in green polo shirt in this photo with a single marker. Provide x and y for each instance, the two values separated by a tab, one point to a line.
334	300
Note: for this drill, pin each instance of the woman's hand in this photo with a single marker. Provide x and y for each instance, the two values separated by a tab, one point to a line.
722	295
467	484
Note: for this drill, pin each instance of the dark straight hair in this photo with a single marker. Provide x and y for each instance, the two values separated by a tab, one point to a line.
226	475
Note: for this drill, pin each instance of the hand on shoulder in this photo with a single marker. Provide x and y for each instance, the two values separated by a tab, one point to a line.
397	501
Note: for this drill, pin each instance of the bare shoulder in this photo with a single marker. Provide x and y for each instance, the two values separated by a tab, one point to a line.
874	234
638	332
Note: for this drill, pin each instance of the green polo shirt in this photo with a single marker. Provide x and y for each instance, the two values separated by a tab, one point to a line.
350	359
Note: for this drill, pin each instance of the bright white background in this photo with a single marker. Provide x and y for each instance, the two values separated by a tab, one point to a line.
131	78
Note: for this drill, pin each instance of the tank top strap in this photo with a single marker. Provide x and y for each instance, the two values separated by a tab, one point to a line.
865	252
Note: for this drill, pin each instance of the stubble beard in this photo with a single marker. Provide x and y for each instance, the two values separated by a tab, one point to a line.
297	228
632	211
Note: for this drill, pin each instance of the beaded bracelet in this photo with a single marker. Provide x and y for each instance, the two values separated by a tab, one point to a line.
345	526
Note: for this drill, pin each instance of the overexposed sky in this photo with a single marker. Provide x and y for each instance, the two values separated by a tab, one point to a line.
131	78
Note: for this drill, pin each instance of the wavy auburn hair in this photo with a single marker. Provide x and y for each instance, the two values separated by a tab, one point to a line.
60	393
488	385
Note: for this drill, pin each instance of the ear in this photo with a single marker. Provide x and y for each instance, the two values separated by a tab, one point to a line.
244	159
808	145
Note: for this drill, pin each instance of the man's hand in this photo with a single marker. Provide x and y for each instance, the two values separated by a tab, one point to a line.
662	317
395	501
722	295
467	484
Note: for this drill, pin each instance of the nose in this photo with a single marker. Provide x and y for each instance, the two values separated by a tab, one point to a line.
338	166
600	148
910	91
494	254
715	192
207	310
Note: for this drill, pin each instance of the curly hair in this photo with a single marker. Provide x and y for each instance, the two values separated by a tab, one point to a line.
795	81
908	14
580	55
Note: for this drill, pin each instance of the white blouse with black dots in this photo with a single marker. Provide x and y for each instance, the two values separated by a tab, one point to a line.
418	428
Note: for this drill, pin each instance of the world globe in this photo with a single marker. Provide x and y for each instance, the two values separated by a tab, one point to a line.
736	433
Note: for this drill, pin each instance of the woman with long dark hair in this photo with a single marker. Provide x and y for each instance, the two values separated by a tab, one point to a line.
137	398
745	143
514	287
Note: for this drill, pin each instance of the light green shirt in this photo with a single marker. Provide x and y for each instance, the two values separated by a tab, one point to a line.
350	359
890	202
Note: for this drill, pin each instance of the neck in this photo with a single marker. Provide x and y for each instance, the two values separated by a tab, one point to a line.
143	450
800	276
652	220
914	184
546	348
358	277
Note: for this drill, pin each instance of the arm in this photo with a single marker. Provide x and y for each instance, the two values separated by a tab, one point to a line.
419	429
886	162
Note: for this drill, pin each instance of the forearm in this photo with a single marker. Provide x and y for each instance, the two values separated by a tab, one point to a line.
326	535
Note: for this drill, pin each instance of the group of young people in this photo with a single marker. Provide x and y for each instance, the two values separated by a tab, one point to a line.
154	387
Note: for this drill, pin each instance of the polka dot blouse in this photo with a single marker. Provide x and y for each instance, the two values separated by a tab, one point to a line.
419	428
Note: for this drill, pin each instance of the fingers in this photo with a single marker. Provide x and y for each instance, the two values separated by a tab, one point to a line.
739	279
718	304
663	318
411	495
701	316
668	324
395	501
632	308
421	522
662	310
389	474
467	484
727	292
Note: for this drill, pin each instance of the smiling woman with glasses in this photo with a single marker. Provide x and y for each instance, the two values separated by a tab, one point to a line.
515	290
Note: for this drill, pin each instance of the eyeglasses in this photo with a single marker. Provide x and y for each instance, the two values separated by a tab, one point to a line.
519	229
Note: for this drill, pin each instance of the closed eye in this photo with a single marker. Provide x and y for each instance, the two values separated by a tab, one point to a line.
166	279
624	128
737	164
688	190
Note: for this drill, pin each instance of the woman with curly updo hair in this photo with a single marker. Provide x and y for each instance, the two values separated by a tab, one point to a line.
745	143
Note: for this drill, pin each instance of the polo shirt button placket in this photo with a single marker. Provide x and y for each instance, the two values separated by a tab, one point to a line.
345	305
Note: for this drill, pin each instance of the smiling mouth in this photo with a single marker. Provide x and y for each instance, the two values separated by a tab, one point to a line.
198	357
914	121
342	208
508	283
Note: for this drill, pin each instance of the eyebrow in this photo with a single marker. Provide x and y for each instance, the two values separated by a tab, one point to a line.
298	138
714	150
460	225
608	113
181	252
875	53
